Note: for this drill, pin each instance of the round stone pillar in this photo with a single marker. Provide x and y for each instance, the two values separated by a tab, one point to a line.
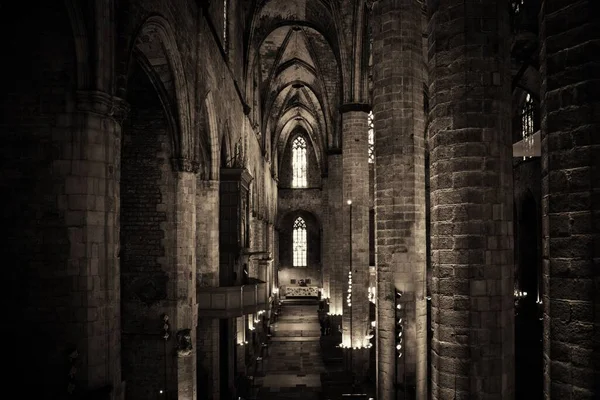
399	196
570	69
471	200
332	233
355	231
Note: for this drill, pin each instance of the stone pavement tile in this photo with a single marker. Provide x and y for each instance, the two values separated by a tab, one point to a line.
293	368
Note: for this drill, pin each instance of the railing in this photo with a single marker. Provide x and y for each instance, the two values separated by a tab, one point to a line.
232	301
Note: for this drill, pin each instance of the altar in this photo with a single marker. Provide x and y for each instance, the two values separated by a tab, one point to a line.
301	291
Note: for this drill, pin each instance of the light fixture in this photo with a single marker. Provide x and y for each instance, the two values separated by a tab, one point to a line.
399	326
373	323
349	202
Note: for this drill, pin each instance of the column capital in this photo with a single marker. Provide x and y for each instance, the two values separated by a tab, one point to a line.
97	102
356	107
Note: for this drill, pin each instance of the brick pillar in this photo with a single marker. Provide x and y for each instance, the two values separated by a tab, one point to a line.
355	229
569	60
182	279
207	274
91	198
471	200
399	193
334	229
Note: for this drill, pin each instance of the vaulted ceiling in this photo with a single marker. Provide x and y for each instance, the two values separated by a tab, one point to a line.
295	59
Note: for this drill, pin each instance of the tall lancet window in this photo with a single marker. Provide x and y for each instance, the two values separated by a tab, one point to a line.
299	163
225	26
371	138
527	123
299	243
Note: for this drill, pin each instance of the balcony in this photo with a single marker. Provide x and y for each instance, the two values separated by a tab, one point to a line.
232	301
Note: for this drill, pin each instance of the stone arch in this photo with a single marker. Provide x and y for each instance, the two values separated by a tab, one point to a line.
321	16
155	41
81	39
214	144
319	110
287	132
285	225
311	214
226	150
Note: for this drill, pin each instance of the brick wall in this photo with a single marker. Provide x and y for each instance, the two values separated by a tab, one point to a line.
570	34
471	200
145	216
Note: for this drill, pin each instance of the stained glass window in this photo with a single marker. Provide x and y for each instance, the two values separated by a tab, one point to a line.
371	139
225	25
299	243
299	163
527	122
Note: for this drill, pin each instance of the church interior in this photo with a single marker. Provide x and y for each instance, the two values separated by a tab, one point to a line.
302	199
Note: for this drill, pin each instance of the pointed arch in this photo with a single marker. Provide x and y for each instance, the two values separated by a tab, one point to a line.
213	137
81	43
168	76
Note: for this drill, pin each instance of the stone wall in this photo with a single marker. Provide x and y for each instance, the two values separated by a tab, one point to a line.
146	186
60	157
471	201
569	56
62	128
313	231
286	170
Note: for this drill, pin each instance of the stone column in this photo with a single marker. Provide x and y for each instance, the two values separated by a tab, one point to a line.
326	255
471	200
355	229
569	61
92	140
207	274
399	194
182	279
335	243
271	272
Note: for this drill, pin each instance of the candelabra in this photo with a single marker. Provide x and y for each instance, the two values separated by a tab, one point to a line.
399	314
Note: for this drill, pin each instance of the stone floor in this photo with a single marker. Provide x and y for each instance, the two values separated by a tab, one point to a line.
294	364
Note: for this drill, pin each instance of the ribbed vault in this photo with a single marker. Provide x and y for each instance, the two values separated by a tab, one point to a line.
294	58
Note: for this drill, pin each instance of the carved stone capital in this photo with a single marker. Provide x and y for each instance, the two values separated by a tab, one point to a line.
184	164
94	101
